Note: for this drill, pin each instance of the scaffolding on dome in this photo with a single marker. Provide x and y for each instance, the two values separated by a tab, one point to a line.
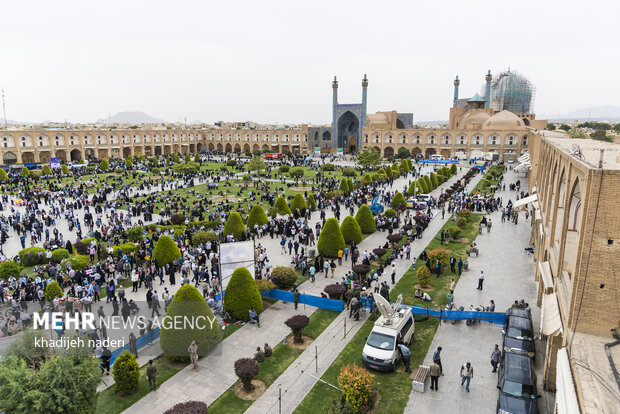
512	92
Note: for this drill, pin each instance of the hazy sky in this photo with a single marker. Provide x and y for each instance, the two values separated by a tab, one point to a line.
273	61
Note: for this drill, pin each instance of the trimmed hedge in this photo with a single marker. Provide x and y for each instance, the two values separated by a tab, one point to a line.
428	183
366	220
34	259
299	202
344	186
234	225
282	206
349	172
242	294
59	255
284	277
351	230
390	212
434	180
78	262
330	239
311	202
424	276
166	250
174	340
52	291
10	268
399	202
257	216
453	168
188	407
126	373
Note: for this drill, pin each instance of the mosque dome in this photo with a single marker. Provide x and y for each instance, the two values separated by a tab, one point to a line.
504	120
469	119
512	92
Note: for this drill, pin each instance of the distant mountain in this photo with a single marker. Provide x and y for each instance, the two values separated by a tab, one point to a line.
596	113
130	117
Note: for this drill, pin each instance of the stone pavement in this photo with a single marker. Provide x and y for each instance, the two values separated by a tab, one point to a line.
509	275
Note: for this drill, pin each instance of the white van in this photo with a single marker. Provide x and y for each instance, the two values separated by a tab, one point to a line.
396	322
437	157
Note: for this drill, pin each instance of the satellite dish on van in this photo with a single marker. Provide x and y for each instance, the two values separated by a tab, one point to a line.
387	310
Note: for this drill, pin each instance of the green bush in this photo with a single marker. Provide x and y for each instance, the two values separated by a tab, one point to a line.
242	295
328	167
282	206
390	212
367	179
118	171
284	277
53	291
3	175
395	170
174	340
104	165
404	165
455	232
351	231
349	172
78	262
388	172
156	170
296	172
465	213
46	170
126	373
453	168
399	202
311	202
59	255
350	184
411	190
443	255
200	237
299	203
10	268
344	186
330	239
284	168
461	222
34	257
134	234
424	276
166	250
188	407
429	184
257	216
231	163
366	220
126	248
234	225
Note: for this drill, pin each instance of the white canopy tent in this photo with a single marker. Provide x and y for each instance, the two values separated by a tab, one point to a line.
524	201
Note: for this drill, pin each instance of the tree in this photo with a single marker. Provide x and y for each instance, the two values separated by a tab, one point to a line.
296	172
330	239
412	188
64	169
565	127
366	220
242	294
256	164
10	268
282	206
367	179
344	186
25	172
388	172
399	202
395	170
257	216
104	165
188	304
197	158
297	324
234	225
126	373
166	250
351	231
188	157
403	153
311	202
3	175
369	158
577	133
434	180
358	387
404	166
550	127
53	291
246	369
284	277
350	184
453	168
601	135
298	203
429	184
46	170
128	163
424	276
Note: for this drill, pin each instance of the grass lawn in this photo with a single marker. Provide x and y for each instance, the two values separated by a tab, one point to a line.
395	387
273	367
109	402
488	184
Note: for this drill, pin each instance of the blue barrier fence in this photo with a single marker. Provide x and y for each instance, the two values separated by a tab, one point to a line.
316	301
141	342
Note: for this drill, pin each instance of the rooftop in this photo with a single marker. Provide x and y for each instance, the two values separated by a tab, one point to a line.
590	150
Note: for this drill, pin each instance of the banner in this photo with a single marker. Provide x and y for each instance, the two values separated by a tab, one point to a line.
317	151
339	152
55	163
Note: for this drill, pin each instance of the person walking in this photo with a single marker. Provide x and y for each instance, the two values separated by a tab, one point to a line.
296	298
460	266
326	267
437	359
393	273
496	356
489	224
466	374
151	375
452	286
192	350
480	280
452	264
406	354
435	372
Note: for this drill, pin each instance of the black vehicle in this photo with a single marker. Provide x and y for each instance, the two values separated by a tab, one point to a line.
519	333
517	384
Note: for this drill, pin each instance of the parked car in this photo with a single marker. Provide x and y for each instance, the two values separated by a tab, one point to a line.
517	384
519	333
415	204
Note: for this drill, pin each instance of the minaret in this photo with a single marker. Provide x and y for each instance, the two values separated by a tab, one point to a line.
334	105
487	95
457	82
364	100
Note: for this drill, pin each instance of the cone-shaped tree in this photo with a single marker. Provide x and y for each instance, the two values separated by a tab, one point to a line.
365	219
282	206
197	157
126	372
427	182
46	170
234	225
404	165
344	186
166	250
311	202
351	231
453	168
395	170
25	172
388	171
298	203
399	202
188	158
330	239
52	291
64	169
367	179
410	164
257	216
434	180
128	163
3	175
176	338
242	294
350	184
104	165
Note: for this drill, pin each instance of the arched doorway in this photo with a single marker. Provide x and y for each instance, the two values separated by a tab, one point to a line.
191	148
446	153
157	150
429	152
377	149
388	152
9	158
76	155
348	127
265	147
200	147
228	148
211	146
62	155
255	148
237	148
573	228
27	157
246	148
416	151
90	153
44	156
220	148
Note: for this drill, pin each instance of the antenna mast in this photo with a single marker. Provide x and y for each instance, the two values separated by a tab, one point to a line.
4	110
